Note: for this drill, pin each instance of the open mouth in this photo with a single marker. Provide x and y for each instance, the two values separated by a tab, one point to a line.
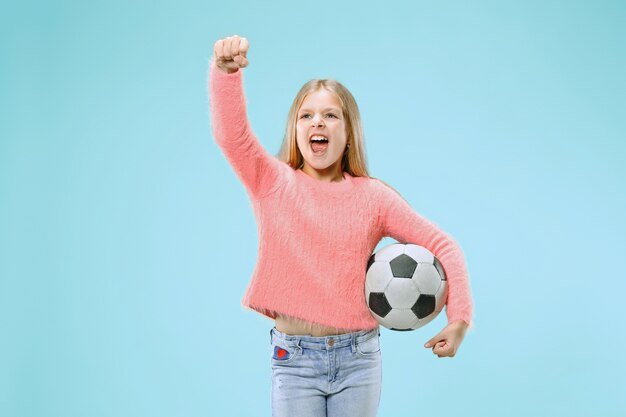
319	144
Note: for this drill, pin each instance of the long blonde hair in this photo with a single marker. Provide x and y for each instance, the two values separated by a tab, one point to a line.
354	159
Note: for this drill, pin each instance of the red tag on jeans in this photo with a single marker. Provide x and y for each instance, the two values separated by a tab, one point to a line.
280	353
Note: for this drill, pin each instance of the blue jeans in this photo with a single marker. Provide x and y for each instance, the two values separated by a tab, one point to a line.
328	376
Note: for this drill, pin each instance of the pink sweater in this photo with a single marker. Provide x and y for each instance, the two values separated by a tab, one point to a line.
316	237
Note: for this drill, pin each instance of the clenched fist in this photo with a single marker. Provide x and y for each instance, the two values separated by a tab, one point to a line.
230	53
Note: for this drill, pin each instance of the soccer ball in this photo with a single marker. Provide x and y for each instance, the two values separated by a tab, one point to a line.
405	286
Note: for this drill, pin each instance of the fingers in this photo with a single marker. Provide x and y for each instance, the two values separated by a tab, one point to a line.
446	342
232	49
243	47
434	340
444	349
227	54
242	61
218	49
234	45
440	347
241	51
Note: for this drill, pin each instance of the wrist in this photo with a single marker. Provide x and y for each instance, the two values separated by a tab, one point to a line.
460	323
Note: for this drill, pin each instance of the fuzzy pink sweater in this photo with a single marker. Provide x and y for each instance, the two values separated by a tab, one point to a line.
315	237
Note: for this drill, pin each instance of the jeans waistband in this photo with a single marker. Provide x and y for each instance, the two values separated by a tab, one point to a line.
323	342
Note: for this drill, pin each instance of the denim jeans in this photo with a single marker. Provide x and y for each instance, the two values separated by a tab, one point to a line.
328	376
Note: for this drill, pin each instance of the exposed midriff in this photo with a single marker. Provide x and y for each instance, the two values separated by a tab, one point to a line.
295	326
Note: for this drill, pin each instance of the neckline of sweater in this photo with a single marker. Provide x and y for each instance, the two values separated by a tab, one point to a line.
333	186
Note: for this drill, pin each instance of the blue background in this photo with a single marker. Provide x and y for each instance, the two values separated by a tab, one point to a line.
127	242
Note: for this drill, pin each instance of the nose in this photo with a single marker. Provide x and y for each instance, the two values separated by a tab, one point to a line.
316	121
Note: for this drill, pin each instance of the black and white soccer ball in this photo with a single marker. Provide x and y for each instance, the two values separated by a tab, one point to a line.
405	286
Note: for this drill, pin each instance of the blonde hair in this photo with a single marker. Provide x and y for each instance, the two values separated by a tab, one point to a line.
353	160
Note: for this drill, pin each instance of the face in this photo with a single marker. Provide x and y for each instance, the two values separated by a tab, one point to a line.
321	114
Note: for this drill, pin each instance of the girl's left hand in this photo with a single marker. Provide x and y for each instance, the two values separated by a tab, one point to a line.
447	342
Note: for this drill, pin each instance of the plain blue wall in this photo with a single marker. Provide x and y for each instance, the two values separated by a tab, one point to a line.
127	242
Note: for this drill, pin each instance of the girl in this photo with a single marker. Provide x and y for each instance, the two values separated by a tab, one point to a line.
320	216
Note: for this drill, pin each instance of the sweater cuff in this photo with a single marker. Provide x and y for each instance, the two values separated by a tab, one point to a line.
469	322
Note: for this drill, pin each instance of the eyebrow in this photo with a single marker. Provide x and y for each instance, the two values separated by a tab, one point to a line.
327	108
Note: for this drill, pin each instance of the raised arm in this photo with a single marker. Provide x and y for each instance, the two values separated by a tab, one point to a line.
401	222
256	168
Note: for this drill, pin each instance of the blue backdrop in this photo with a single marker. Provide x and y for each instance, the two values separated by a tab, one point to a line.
127	242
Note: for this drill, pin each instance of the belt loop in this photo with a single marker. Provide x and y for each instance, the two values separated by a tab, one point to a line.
353	342
298	342
271	335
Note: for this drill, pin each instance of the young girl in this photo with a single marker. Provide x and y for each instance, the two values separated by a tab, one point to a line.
320	216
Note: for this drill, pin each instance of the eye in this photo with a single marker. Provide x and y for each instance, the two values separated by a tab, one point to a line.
307	115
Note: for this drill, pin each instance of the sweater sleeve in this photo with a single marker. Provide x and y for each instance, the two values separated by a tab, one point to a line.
399	221
256	168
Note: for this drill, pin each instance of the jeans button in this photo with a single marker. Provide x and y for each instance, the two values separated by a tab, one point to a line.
331	342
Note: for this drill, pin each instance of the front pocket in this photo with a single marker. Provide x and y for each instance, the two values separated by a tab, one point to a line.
284	354
369	347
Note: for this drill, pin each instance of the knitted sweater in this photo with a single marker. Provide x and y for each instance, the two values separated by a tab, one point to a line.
315	237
